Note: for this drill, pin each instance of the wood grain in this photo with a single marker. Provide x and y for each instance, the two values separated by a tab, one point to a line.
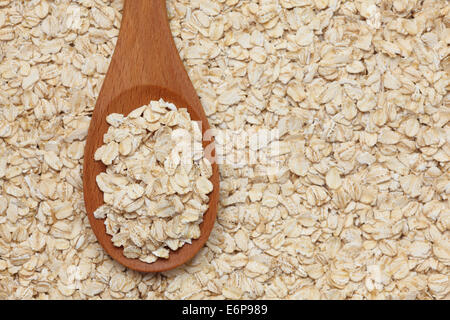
145	66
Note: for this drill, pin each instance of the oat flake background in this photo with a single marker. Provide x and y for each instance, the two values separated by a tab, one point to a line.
359	208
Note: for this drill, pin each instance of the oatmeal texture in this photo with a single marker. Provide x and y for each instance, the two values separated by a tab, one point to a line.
358	90
156	185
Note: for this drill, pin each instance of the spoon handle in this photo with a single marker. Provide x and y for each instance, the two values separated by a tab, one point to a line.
145	52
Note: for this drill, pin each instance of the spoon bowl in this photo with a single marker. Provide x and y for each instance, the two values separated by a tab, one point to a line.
145	67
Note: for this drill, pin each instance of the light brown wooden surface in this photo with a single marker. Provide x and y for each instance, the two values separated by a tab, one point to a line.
145	66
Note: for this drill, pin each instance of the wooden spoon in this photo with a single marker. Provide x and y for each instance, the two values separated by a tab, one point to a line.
145	66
